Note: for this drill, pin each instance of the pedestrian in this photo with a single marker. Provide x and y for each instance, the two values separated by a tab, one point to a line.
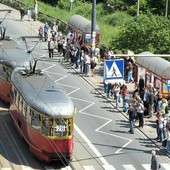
125	96
116	90
87	63
46	27
151	99
51	48
77	57
168	140
132	115
130	72
141	86
154	161
40	32
22	13
92	66
140	112
29	13
82	61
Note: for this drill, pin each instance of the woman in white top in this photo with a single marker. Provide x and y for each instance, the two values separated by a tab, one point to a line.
87	61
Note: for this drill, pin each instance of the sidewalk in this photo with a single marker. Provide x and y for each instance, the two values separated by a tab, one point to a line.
96	82
149	129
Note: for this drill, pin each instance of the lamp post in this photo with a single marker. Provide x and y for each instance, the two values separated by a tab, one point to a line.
93	27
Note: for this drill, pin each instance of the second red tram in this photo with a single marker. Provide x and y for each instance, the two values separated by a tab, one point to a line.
155	70
81	27
11	56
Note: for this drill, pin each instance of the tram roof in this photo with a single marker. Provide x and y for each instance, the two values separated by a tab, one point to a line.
12	55
156	65
81	23
42	94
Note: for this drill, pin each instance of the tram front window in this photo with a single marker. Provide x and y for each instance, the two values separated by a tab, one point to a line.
62	127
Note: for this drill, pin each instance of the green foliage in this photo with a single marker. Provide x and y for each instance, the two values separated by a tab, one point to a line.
118	28
64	4
117	19
146	33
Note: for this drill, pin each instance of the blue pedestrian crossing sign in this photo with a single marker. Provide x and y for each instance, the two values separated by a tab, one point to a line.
114	70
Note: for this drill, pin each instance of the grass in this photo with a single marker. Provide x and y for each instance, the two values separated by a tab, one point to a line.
106	30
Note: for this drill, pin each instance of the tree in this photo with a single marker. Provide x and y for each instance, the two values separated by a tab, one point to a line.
146	33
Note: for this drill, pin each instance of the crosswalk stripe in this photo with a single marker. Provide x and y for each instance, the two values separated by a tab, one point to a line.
108	167
166	166
146	166
129	167
66	168
88	167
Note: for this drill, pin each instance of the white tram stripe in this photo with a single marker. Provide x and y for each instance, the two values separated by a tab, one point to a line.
88	168
147	166
166	166
108	167
128	167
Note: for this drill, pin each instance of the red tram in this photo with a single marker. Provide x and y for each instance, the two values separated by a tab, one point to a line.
43	114
155	70
11	56
82	30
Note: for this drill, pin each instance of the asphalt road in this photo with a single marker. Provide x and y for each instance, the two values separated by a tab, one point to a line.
102	140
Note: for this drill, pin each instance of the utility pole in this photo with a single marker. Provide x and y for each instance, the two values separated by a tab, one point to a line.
138	7
166	10
93	27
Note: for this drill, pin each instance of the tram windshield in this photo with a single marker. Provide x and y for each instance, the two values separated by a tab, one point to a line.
57	126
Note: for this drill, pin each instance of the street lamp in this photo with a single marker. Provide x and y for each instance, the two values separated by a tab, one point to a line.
93	27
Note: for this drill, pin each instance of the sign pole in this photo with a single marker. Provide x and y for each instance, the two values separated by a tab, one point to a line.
93	28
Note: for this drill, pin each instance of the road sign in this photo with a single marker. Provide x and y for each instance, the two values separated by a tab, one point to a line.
114	70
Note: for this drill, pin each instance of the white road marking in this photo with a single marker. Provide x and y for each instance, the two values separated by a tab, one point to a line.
128	167
146	166
108	167
93	148
88	167
166	166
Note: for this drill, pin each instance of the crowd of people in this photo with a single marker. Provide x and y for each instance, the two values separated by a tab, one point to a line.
146	101
143	102
69	48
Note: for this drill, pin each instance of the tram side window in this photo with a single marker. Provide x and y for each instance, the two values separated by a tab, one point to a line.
157	83
17	98
28	115
20	104
45	125
36	120
24	110
13	93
